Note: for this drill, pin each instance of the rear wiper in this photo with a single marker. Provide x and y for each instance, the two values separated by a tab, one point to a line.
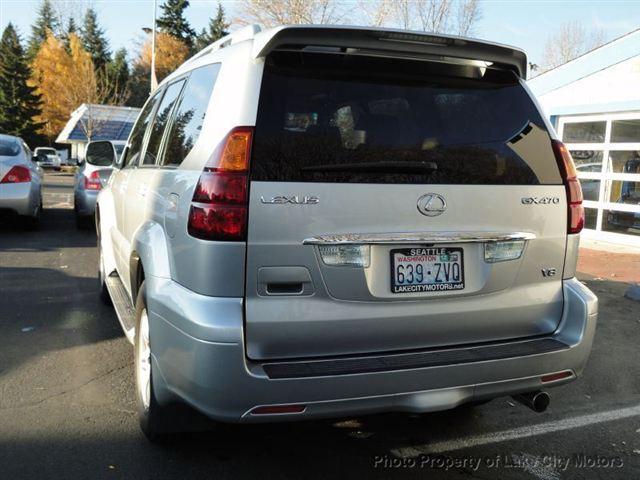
378	167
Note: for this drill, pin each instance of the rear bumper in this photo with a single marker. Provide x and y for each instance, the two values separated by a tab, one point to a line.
199	358
19	198
85	202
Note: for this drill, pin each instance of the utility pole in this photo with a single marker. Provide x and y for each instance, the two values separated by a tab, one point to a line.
152	31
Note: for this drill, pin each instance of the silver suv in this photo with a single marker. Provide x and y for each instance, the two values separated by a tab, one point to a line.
315	222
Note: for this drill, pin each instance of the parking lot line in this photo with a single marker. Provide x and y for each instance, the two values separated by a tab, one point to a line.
517	433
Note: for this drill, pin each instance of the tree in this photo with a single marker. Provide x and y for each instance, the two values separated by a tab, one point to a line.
52	69
278	12
19	104
173	22
437	16
118	69
170	54
47	21
216	29
94	41
568	42
71	28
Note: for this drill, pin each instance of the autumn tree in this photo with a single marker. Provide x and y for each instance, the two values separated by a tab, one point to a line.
19	103
568	42
217	28
94	41
281	12
53	68
173	22
170	54
47	21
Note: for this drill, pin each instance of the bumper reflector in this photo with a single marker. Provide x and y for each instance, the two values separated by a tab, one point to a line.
278	409
502	251
552	377
346	255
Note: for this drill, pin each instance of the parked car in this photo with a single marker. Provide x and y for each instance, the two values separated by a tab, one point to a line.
47	157
93	174
20	182
315	221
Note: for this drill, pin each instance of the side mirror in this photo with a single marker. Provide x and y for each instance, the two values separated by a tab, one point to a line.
100	154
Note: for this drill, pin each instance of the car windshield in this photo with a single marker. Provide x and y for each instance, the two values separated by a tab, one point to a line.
9	147
48	151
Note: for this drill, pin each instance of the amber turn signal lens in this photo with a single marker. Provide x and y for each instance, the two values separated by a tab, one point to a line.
236	151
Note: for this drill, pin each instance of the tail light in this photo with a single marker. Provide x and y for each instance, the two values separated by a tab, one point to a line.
569	175
220	201
92	182
17	174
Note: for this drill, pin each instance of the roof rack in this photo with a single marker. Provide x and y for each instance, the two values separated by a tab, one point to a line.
241	35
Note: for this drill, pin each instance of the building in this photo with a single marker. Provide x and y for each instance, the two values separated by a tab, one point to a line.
96	122
594	104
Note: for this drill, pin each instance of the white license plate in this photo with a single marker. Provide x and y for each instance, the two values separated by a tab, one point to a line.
428	269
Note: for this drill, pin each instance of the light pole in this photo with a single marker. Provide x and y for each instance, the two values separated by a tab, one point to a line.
152	31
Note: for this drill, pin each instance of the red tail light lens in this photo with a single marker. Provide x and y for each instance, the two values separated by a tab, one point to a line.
17	174
92	182
569	175
220	201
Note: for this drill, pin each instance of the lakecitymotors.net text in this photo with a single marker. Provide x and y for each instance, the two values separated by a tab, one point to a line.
440	462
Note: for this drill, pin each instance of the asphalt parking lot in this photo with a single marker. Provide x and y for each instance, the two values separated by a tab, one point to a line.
67	410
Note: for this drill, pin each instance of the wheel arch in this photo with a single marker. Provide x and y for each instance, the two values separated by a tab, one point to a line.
149	256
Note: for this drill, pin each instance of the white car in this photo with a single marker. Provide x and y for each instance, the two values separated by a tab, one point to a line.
47	157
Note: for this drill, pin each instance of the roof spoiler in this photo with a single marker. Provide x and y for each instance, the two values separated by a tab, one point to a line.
391	42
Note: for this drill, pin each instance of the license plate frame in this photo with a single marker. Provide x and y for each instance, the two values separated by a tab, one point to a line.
426	288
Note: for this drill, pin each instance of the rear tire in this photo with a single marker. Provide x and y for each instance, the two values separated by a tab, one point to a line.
153	418
33	222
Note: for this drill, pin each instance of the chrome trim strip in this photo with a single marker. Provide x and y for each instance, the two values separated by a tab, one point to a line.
416	237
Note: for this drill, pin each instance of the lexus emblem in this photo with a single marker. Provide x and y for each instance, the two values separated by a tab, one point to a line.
432	205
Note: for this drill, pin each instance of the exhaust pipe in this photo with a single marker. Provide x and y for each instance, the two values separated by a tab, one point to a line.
537	401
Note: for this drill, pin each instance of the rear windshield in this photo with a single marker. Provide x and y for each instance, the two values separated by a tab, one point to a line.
336	118
48	151
9	147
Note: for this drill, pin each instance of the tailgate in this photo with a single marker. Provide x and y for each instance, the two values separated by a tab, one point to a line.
391	211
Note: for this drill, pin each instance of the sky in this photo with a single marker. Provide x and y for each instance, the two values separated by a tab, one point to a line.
522	23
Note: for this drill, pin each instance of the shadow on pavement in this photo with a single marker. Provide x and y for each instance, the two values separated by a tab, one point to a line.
57	230
44	310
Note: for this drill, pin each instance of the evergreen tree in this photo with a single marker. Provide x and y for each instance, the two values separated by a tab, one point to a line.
71	28
173	22
94	41
216	29
19	103
118	71
47	20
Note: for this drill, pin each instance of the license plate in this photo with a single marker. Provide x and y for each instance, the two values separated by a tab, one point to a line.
428	269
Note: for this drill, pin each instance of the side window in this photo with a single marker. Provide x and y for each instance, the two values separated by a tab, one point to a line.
160	122
137	134
190	113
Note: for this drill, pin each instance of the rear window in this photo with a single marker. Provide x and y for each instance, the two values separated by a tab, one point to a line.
9	147
334	118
